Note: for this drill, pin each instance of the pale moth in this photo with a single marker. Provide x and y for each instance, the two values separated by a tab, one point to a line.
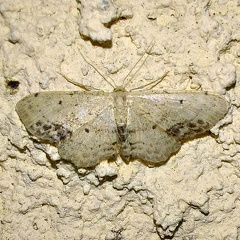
90	126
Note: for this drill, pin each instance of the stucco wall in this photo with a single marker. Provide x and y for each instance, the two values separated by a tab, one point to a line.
195	194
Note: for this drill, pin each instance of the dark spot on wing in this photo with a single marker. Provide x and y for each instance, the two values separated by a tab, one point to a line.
63	133
86	130
154	126
175	129
57	126
200	121
50	131
46	127
60	102
36	94
191	125
181	101
38	123
185	130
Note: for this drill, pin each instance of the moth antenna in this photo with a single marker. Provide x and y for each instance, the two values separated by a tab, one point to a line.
83	86
87	60
143	58
132	77
153	83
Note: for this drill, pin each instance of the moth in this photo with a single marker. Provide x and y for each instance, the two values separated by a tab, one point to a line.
90	126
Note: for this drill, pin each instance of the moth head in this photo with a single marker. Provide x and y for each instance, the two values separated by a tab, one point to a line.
119	89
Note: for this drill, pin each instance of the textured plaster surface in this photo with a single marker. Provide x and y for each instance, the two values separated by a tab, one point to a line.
194	195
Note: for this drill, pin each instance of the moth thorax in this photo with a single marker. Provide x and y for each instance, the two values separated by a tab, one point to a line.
120	109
